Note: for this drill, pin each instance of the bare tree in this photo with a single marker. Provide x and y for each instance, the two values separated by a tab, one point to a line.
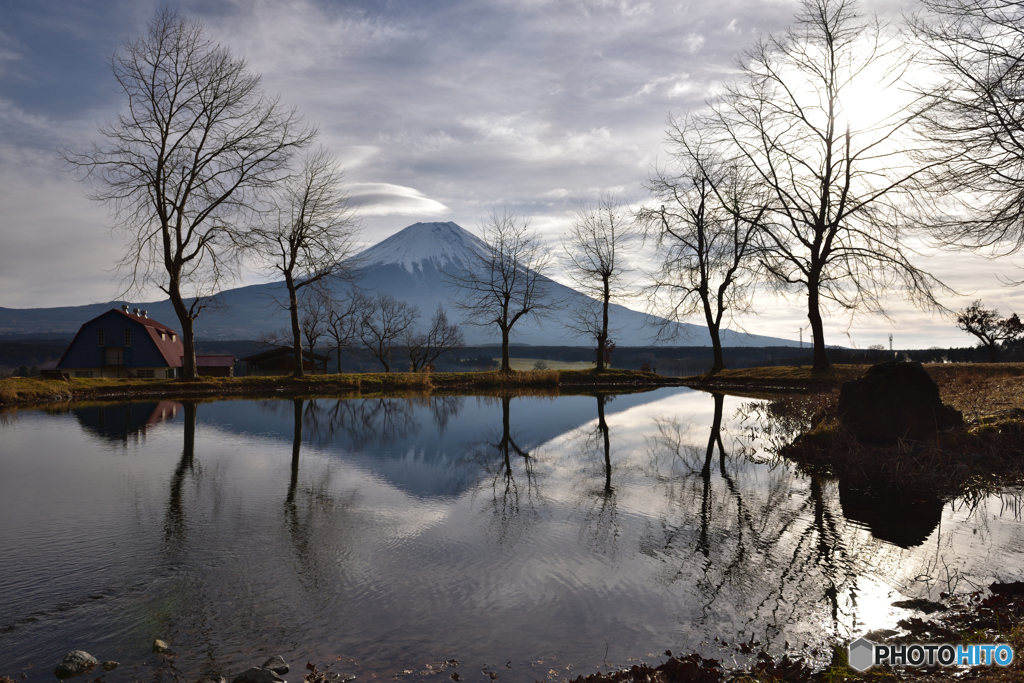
838	184
384	322
184	166
976	122
508	281
314	309
705	233
309	237
989	328
344	317
594	257
425	348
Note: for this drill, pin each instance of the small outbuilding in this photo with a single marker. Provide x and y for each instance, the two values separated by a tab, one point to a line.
215	365
279	361
120	343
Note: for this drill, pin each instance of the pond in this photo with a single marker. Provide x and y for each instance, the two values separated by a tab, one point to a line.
532	537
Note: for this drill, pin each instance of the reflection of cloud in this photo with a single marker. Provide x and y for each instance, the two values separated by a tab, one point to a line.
384	199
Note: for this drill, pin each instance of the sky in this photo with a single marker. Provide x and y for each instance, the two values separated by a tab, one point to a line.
439	111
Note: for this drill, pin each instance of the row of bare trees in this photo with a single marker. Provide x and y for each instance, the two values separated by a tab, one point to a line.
785	182
383	325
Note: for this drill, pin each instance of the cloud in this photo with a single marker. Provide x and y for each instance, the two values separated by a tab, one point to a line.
383	199
436	110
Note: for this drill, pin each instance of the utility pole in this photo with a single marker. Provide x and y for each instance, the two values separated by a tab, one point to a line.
890	341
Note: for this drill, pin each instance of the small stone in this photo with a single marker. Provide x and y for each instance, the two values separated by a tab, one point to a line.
255	675
160	646
277	665
75	663
110	665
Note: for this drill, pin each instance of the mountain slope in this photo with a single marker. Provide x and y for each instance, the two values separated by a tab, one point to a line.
408	265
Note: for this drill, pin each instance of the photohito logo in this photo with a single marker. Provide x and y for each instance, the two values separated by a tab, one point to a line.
863	654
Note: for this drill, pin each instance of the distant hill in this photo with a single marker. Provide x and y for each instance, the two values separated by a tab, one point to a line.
407	265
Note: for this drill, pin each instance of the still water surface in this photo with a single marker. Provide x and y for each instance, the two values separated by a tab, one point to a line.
530	536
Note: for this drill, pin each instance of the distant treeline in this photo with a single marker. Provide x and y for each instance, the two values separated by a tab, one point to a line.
24	356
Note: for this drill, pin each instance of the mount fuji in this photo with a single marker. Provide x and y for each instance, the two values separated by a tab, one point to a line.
409	265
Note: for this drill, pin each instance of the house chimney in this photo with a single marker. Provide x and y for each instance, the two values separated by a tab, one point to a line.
144	315
124	307
135	311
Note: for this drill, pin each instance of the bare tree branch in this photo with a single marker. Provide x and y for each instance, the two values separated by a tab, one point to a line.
706	236
508	281
594	259
839	186
185	165
385	321
309	237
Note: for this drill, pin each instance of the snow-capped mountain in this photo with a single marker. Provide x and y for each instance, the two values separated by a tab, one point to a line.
443	245
409	265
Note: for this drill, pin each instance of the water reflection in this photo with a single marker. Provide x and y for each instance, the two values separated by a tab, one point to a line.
174	526
891	515
118	422
401	531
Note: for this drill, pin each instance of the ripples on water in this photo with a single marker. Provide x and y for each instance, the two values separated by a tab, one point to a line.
528	534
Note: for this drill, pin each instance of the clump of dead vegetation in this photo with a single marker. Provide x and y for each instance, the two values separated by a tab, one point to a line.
985	454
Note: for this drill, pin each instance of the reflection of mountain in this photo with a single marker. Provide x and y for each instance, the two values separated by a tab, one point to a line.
417	445
407	265
118	421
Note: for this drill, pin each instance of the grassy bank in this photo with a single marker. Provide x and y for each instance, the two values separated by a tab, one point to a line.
29	390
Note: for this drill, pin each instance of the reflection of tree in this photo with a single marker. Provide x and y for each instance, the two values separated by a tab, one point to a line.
600	517
360	422
175	524
304	505
445	408
509	497
767	549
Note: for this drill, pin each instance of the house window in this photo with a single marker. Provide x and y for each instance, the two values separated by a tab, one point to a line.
163	335
101	337
127	337
144	374
83	373
171	373
174	337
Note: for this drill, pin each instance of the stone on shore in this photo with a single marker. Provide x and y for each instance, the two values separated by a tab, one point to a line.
75	663
895	401
277	665
257	675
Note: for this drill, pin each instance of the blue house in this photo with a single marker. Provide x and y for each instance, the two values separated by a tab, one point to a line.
120	343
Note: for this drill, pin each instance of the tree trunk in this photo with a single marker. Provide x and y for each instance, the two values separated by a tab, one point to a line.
993	352
603	338
188	361
506	367
293	310
714	330
817	329
338	350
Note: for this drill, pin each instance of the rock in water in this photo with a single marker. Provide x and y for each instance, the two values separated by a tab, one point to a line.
255	675
160	646
277	665
894	401
110	665
75	663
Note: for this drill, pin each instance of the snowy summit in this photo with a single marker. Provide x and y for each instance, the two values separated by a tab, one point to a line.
439	243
